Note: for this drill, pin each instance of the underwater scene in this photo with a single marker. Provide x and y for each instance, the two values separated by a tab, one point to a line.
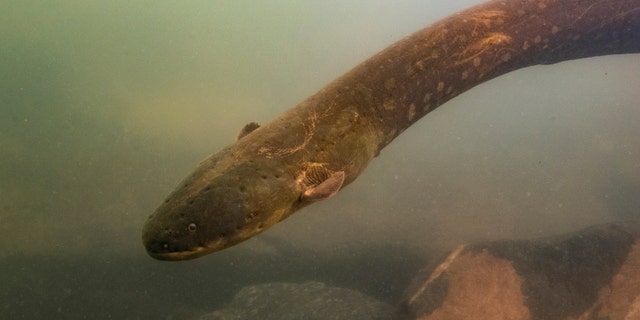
531	180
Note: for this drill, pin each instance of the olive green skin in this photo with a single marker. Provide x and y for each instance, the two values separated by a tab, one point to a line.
256	182
259	180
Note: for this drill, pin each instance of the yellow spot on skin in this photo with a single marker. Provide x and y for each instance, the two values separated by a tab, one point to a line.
537	39
506	57
542	5
450	89
389	104
464	75
426	98
554	30
411	114
440	86
390	84
476	62
391	135
525	45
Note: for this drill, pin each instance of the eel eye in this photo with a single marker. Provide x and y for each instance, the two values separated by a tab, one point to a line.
192	227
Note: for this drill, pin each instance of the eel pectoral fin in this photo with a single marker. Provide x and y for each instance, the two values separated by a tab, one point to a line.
325	189
248	128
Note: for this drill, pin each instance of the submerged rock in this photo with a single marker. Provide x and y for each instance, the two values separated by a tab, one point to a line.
591	274
310	301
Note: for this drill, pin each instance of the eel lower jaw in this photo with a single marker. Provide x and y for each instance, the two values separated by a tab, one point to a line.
179	255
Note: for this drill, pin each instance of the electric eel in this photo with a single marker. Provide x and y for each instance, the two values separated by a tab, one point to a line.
315	149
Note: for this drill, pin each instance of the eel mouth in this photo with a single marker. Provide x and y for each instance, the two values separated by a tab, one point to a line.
165	251
180	255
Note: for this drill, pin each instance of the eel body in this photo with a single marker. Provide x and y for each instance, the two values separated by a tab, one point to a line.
316	148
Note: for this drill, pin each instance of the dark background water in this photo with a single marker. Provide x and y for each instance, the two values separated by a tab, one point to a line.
105	106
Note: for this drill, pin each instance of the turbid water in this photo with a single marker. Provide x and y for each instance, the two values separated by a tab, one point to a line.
104	108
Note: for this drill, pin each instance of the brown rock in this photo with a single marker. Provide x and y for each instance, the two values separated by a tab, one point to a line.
591	274
621	298
309	300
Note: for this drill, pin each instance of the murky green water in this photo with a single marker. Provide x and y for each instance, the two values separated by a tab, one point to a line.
105	106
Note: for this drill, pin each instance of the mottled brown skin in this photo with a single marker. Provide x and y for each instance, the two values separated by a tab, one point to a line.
277	169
